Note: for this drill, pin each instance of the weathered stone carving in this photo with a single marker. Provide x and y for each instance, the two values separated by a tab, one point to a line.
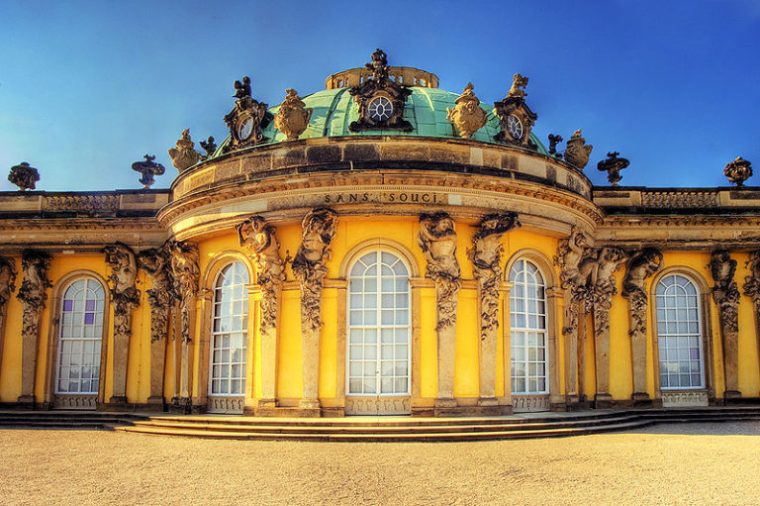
185	270
261	240
24	176
32	294
438	241
577	262
309	268
125	296
467	116
577	151
148	168
608	260
641	265
161	297
486	254
247	119
380	100
7	281
184	154
155	261
738	171
612	166
554	139
726	296
515	117
293	116
752	287
209	146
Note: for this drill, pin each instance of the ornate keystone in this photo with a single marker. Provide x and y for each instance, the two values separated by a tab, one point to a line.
184	154
467	117
577	151
24	176
209	146
148	168
738	171
515	117
612	166
309	268
293	116
247	119
380	100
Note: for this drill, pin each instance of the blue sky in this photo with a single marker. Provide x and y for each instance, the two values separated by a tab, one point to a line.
86	88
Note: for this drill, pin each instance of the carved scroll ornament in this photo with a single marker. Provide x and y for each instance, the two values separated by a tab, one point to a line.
35	265
155	262
293	116
437	239
184	259
486	255
7	281
309	265
261	240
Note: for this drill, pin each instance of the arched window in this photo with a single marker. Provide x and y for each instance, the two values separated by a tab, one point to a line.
80	337
379	326
679	332
527	316
229	331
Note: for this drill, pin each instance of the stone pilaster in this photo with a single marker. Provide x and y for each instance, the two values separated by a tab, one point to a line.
7	287
752	290
726	297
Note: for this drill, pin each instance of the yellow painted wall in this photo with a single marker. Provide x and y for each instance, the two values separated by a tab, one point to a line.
10	368
621	368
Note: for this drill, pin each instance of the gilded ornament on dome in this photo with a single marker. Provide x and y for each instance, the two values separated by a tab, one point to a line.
293	116
184	155
577	152
24	176
738	171
467	116
148	168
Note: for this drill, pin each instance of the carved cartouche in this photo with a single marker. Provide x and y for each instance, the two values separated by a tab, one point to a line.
293	117
467	117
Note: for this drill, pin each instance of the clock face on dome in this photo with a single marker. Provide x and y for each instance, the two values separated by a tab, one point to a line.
245	129
380	109
515	127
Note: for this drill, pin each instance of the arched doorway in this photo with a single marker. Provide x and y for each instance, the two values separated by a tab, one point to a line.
378	379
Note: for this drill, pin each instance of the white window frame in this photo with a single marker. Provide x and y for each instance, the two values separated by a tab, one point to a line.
526	330
700	336
97	339
379	326
243	332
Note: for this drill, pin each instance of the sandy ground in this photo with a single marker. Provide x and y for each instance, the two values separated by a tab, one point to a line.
715	464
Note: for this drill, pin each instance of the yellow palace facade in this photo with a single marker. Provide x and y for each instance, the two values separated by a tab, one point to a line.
380	247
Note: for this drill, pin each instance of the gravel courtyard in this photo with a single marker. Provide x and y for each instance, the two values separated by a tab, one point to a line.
716	464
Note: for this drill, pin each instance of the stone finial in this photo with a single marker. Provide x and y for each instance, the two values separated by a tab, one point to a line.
738	171
184	155
293	116
519	82
24	176
209	146
467	117
554	139
148	168
577	151
613	165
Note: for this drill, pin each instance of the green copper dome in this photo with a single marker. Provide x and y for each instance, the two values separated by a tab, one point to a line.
333	110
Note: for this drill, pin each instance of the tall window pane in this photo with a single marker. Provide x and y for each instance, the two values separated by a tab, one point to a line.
79	338
679	332
229	332
378	326
527	316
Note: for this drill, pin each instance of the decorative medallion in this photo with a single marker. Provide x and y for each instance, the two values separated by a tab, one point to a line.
467	117
148	168
247	119
380	100
613	165
577	151
293	116
24	176
515	117
738	171
184	155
